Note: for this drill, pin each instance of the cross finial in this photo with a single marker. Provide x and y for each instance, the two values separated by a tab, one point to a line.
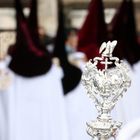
106	63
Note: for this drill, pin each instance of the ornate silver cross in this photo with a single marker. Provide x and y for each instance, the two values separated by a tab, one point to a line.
106	63
105	87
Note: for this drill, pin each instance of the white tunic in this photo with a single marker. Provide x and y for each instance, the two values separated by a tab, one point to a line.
131	131
33	108
80	110
127	109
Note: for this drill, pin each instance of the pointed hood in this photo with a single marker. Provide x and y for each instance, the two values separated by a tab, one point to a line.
59	50
33	24
19	19
27	59
124	30
33	17
72	75
93	31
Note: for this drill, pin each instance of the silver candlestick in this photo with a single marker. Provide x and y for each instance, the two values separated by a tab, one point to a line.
105	87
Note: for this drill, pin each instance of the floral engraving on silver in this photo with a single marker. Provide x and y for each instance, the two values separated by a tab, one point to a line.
105	87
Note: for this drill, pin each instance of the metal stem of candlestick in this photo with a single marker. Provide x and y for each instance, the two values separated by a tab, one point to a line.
105	87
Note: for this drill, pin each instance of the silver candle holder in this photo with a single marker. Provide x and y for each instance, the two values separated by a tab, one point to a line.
105	87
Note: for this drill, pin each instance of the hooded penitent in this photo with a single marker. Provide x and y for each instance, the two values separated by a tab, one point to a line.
93	31
124	30
28	57
72	75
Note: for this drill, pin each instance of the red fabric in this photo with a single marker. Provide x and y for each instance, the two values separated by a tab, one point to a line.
93	31
25	39
27	59
30	43
124	30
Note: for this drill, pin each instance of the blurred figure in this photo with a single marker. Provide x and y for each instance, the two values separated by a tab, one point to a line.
93	31
123	29
76	58
72	74
45	39
128	49
31	108
71	40
78	106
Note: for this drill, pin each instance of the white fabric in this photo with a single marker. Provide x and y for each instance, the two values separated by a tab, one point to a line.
77	58
5	62
131	131
33	108
127	109
80	110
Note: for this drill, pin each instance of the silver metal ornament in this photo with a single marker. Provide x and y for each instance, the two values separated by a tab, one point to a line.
105	87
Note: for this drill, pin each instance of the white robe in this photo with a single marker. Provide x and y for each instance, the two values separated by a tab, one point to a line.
80	110
33	108
127	109
131	131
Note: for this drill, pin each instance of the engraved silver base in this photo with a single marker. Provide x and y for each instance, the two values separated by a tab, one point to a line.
103	128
